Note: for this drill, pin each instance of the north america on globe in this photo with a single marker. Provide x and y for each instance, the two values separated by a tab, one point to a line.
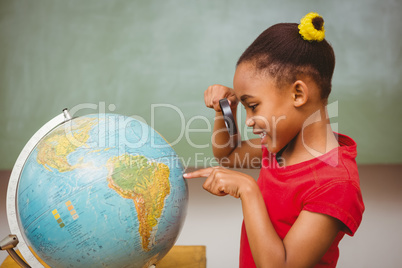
56	147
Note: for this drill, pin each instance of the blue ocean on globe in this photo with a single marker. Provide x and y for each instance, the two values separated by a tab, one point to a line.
102	190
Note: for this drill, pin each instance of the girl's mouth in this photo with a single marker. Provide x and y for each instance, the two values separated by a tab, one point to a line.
263	135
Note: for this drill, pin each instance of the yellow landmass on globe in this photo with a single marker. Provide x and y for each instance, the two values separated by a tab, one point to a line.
147	184
54	149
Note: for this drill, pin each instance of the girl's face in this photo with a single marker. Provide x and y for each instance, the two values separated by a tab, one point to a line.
270	110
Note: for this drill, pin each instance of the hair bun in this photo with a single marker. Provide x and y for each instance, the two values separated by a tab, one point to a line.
311	27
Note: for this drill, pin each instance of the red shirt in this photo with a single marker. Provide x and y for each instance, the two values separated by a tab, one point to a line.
328	184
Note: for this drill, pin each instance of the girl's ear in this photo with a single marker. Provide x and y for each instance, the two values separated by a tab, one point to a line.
299	93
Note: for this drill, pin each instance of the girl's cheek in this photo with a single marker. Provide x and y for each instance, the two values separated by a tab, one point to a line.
264	124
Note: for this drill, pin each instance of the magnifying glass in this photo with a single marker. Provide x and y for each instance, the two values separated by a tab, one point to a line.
228	117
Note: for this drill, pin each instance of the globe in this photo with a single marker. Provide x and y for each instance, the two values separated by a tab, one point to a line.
101	190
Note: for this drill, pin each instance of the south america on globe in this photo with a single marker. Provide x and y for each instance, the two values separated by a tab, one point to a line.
102	190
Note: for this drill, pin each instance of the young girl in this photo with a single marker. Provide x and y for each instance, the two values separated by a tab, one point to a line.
307	195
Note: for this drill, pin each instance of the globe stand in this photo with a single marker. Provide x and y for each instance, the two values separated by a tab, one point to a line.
8	244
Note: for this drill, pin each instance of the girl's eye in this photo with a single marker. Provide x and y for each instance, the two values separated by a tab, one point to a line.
252	107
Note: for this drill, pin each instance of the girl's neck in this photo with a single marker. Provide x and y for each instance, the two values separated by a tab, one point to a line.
314	139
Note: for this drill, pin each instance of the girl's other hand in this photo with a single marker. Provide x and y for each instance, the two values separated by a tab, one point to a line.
215	93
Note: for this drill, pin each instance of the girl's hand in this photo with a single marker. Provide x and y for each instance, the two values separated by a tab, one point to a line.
215	93
221	181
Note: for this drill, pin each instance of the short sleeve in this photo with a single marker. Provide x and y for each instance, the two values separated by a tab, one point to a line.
339	199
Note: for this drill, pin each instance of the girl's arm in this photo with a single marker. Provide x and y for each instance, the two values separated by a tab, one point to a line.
230	151
306	242
304	245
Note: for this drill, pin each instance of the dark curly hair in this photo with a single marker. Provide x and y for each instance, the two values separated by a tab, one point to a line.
282	52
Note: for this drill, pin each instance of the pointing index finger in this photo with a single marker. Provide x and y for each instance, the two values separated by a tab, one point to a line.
201	173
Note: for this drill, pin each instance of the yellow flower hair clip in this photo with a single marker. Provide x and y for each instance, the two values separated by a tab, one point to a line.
311	27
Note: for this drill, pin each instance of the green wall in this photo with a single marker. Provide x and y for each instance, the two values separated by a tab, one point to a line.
124	56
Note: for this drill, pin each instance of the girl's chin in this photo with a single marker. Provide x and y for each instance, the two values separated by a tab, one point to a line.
271	149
